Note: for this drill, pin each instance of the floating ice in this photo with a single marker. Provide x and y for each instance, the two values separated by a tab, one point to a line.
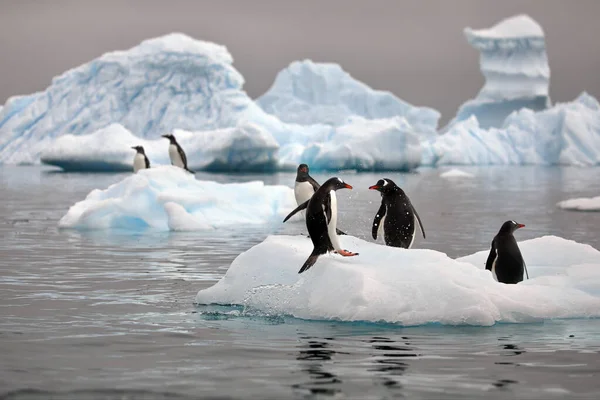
456	173
169	198
310	93
566	134
514	62
581	204
246	147
410	287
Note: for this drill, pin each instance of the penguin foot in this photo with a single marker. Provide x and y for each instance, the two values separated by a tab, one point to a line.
346	253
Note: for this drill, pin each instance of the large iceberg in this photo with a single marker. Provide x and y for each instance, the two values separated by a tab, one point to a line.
246	147
169	198
566	134
580	204
514	63
309	93
410	287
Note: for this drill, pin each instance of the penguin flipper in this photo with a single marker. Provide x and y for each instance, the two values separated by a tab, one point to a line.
310	261
340	232
314	183
525	268
418	219
190	171
378	217
299	208
491	256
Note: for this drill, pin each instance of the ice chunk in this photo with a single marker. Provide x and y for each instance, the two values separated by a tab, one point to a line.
247	147
566	134
514	62
456	173
581	204
167	197
310	93
410	287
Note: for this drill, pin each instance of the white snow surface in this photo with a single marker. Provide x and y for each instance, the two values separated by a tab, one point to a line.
456	173
410	287
309	93
581	204
246	147
566	134
169	198
514	63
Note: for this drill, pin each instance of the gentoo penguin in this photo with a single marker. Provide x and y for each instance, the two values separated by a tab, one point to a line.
321	221
305	186
397	216
505	259
176	153
140	161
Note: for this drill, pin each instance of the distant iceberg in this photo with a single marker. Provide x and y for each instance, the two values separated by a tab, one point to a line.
456	173
410	287
581	204
514	62
169	198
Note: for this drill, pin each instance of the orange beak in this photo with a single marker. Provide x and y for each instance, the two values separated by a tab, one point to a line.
520	226
347	186
374	187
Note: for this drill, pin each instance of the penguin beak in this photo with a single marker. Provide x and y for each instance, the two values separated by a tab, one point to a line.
133	147
347	186
165	136
520	226
374	187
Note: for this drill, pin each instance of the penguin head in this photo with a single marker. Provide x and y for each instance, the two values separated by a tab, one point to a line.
170	137
139	149
302	172
336	183
385	186
510	227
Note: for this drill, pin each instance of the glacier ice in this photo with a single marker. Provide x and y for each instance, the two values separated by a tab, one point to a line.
410	287
309	93
566	134
169	198
246	147
456	173
581	204
514	63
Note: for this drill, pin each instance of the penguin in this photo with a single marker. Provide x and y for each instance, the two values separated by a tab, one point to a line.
176	153
396	216
505	259
140	161
305	186
321	221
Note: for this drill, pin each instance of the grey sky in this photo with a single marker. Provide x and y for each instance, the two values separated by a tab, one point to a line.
416	49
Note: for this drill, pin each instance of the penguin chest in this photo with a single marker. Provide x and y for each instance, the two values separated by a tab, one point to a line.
303	191
400	227
332	222
175	156
139	162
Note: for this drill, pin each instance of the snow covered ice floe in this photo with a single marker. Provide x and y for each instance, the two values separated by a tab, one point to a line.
169	198
456	173
581	204
514	63
246	147
410	287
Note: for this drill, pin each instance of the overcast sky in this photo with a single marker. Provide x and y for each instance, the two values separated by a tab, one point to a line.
416	49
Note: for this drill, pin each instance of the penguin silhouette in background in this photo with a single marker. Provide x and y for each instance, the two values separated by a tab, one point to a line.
140	161
176	153
321	221
505	259
396	216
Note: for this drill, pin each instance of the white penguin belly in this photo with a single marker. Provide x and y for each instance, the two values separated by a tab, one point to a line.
381	228
139	162
331	227
303	191
175	157
494	267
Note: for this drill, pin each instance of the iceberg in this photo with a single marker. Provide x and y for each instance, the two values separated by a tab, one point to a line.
169	198
566	134
246	147
410	287
309	93
456	173
514	63
581	204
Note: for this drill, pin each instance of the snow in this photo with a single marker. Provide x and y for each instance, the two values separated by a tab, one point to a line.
456	173
581	204
514	63
309	93
169	198
410	287
246	147
566	134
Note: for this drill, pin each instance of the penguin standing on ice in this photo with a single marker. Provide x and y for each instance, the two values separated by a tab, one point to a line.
396	216
176	153
140	161
321	221
505	259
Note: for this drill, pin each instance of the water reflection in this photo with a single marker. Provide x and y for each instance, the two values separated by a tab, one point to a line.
314	355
